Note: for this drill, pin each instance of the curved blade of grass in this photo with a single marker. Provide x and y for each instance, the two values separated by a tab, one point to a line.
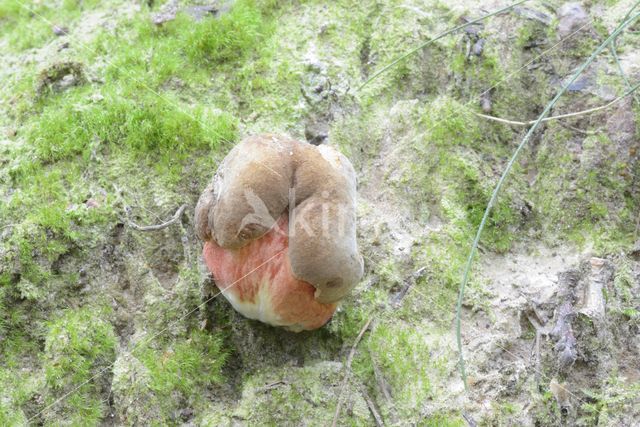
614	53
438	37
506	171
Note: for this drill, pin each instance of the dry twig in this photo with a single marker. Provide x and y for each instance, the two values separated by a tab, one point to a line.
536	325
175	218
272	385
382	382
348	370
372	409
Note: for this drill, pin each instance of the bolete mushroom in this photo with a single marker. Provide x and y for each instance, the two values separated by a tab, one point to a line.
279	225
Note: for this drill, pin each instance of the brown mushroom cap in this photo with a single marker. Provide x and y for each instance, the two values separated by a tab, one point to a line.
266	176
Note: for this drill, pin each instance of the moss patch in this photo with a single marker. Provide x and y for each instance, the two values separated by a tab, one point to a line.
79	349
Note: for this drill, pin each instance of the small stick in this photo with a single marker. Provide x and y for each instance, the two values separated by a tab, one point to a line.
372	409
409	282
575	129
273	385
384	388
536	346
382	383
539	331
470	421
157	227
348	368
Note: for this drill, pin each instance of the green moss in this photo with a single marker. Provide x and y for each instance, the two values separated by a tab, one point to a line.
413	362
449	179
184	49
530	34
186	366
130	111
293	395
152	385
28	24
398	29
609	404
404	358
222	40
50	219
79	348
359	138
601	206
449	123
163	306
348	322
34	253
477	74
628	302
443	420
504	412
17	388
546	410
144	125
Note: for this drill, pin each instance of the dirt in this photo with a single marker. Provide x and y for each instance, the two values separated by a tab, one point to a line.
550	328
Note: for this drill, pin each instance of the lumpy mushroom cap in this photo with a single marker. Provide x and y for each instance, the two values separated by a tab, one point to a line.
266	176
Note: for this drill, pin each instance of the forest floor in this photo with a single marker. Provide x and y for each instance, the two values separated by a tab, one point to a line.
115	113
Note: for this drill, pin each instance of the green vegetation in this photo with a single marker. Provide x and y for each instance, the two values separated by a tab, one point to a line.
530	34
124	120
79	349
623	285
145	125
403	357
158	380
600	202
449	177
28	24
605	404
186	367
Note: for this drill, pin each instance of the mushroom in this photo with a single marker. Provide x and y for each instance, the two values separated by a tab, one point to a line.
279	225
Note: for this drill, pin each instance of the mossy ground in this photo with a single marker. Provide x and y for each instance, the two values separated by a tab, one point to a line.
92	306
